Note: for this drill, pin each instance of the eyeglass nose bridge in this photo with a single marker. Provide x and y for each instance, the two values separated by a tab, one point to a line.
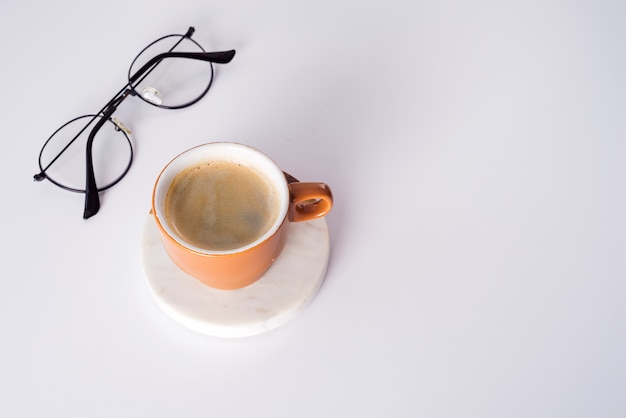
119	126
152	95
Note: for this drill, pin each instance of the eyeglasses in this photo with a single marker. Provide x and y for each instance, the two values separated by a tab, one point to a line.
172	72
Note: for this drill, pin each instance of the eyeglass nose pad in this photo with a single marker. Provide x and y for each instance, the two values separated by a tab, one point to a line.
152	95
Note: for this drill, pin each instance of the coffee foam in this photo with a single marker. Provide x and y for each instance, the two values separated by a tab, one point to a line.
220	205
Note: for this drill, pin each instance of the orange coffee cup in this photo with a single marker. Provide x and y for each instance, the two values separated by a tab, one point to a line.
223	211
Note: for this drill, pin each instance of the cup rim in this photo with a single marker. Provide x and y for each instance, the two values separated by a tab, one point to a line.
271	171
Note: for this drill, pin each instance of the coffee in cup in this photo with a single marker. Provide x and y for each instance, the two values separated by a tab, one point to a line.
223	211
220	205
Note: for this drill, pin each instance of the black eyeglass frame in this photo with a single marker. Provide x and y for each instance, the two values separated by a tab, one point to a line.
92	199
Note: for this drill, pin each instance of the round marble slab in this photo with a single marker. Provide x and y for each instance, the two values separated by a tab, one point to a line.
286	288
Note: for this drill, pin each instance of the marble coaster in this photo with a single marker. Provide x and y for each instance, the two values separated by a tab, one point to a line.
286	288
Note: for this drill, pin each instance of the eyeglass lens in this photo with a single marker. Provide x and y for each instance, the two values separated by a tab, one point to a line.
174	83
112	155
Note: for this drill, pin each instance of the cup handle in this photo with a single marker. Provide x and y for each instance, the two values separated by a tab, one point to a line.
309	201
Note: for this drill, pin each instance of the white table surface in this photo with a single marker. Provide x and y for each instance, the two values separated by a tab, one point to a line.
477	154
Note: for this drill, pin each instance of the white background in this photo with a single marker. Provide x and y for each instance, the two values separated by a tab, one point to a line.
476	152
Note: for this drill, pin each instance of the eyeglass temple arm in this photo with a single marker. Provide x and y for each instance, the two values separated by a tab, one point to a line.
92	199
221	57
